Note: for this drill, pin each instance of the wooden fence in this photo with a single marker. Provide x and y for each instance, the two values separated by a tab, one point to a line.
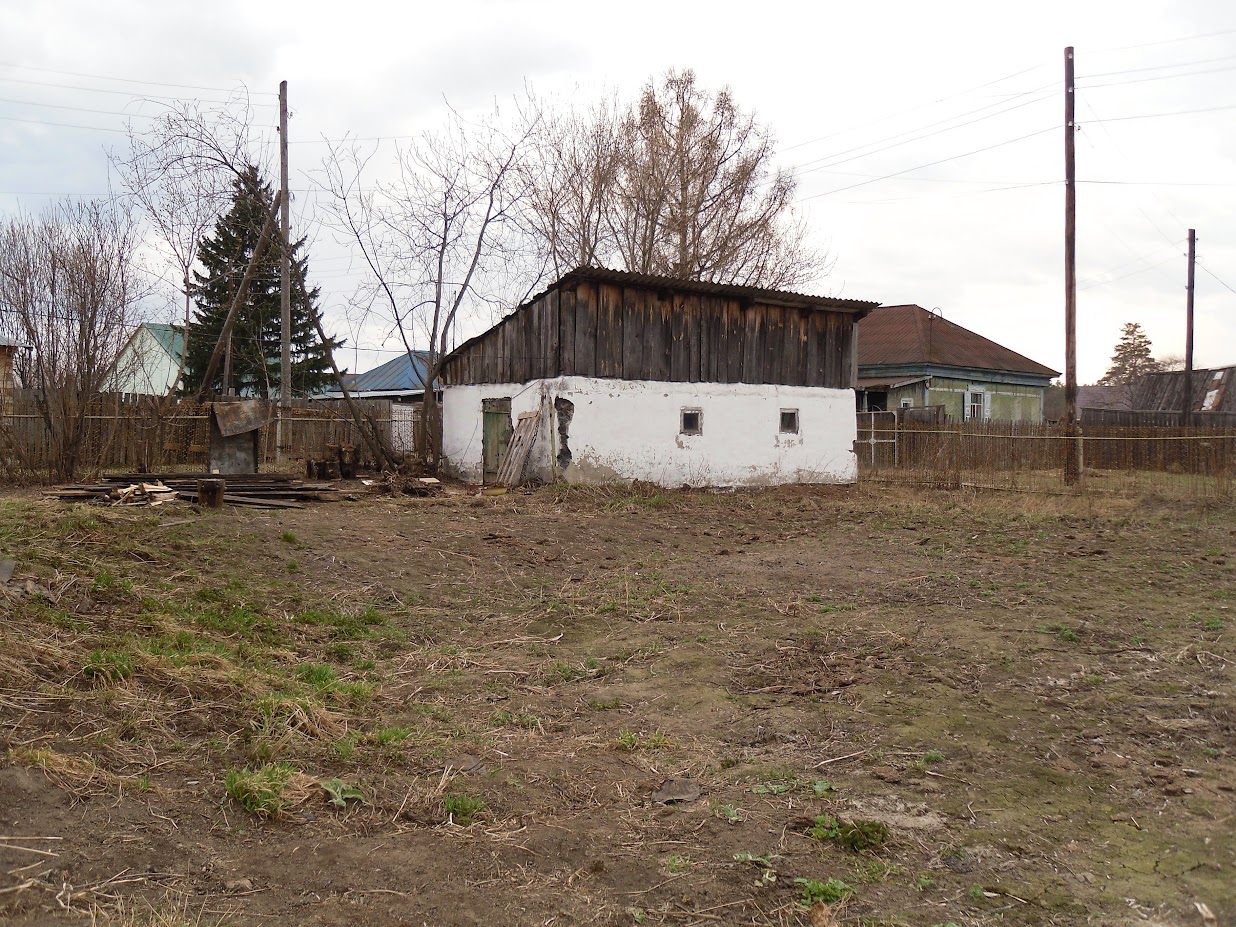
1020	453
146	433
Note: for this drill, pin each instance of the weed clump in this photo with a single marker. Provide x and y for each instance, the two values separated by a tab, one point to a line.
857	836
813	891
263	791
105	667
462	809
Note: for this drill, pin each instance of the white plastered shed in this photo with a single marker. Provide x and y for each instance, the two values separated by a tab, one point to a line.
609	376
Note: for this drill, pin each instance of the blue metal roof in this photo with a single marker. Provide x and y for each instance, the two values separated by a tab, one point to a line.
401	373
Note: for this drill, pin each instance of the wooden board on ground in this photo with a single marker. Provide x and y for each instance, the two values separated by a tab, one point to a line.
511	473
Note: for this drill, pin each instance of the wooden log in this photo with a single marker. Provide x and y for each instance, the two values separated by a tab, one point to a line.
210	493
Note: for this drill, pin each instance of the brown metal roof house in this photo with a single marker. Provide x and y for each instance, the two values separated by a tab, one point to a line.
909	357
613	376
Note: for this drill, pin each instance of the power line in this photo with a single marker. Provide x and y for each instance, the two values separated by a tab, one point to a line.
912	109
129	80
63	125
1142	80
125	93
799	169
930	164
1181	112
1158	67
1185	38
1216	276
1139	270
79	109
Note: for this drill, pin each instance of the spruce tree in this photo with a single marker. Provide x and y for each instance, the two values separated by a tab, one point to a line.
256	336
1131	359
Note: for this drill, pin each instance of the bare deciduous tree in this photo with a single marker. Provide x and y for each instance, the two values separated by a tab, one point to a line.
681	183
570	183
69	292
179	172
440	240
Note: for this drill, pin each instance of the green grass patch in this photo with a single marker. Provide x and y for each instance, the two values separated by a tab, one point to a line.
105	667
462	809
261	791
812	891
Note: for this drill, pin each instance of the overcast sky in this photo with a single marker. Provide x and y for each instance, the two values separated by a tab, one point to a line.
884	108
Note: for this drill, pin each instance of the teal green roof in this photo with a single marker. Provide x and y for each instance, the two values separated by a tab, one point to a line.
171	338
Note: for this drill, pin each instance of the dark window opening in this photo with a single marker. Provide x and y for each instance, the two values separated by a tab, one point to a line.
692	422
789	421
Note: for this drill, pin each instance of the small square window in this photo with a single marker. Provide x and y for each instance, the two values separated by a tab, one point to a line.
789	421
692	422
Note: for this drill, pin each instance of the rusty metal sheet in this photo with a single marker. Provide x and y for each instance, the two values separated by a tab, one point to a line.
236	418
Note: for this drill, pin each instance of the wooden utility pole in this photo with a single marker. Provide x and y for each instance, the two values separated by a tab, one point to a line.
1072	456
285	260
1186	401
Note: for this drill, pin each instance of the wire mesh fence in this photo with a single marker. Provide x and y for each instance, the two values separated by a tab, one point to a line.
156	434
1173	462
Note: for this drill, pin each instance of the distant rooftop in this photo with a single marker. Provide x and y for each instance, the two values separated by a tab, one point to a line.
907	335
402	374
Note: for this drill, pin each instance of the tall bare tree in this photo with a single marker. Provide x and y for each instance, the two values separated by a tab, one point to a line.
69	291
570	182
680	183
180	172
439	241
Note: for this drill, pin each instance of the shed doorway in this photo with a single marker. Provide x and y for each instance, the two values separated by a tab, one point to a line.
495	436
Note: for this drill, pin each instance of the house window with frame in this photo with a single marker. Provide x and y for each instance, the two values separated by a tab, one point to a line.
907	403
977	405
789	421
691	422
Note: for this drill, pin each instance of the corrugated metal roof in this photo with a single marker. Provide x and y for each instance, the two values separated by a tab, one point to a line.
907	335
752	293
1214	390
400	373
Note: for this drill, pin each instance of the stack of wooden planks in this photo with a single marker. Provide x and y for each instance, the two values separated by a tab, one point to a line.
265	490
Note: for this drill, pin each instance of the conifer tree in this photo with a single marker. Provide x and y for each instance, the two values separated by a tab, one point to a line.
1131	359
256	335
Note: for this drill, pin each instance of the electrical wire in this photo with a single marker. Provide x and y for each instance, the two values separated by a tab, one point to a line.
911	109
1157	67
78	109
1185	38
129	80
1216	276
799	169
1181	112
930	164
1142	80
128	93
63	125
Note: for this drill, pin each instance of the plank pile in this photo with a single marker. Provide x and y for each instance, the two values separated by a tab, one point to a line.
265	490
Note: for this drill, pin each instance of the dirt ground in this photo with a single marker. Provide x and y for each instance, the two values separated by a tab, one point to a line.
811	706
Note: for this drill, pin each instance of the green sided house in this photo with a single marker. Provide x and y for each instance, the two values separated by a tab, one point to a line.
912	358
150	360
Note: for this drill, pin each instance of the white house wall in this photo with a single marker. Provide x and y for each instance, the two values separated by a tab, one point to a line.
629	430
144	367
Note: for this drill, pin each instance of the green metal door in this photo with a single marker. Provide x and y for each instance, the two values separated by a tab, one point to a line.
495	435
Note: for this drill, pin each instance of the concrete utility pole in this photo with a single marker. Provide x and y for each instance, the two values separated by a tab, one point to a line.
1186	401
1072	457
285	261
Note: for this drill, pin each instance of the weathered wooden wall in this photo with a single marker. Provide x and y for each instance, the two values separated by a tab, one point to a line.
601	329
